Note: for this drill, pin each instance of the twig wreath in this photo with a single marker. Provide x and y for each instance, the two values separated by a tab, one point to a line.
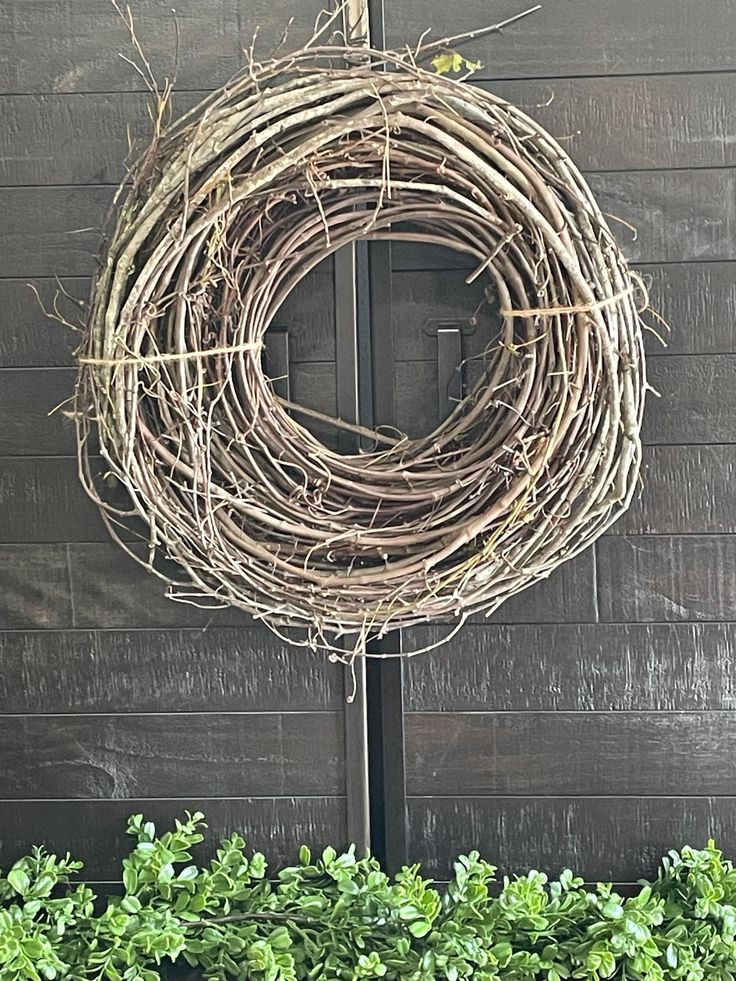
228	209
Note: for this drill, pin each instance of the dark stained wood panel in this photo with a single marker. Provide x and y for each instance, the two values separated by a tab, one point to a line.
94	830
698	300
194	670
669	120
580	37
566	596
544	754
577	667
172	755
51	231
110	589
668	578
684	489
679	215
74	45
34	587
697	401
27	337
584	114
42	500
33	403
603	838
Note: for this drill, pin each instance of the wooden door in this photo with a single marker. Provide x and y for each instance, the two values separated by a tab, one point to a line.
590	723
113	699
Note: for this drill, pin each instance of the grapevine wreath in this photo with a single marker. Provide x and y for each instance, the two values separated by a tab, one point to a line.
226	212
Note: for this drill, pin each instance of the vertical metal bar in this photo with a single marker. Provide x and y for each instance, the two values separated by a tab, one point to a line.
385	676
449	377
356	717
365	333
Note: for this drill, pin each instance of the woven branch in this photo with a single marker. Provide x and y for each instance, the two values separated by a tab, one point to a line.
221	218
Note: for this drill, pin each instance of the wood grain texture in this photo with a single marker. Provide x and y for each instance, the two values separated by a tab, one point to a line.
542	754
619	839
684	490
682	120
30	339
29	426
577	667
698	300
566	596
585	114
27	337
681	216
172	755
42	500
670	578
73	45
34	587
94	831
111	590
577	37
697	401
215	670
34	403
51	231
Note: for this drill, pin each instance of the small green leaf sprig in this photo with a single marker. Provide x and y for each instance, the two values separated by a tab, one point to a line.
338	916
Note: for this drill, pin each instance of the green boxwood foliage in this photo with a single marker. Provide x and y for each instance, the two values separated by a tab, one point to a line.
340	917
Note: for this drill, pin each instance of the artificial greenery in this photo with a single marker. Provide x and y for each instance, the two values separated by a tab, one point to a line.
341	917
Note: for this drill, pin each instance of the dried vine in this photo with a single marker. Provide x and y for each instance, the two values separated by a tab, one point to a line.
225	213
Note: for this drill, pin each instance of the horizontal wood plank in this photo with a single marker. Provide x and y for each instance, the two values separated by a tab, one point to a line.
52	231
585	114
680	216
541	754
620	839
28	338
566	596
577	38
174	755
698	301
34	587
94	831
588	116
684	490
697	402
214	670
669	578
112	591
35	404
42	500
74	45
576	667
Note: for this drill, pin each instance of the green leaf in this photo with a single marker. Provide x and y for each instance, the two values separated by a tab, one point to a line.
453	62
19	880
420	928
